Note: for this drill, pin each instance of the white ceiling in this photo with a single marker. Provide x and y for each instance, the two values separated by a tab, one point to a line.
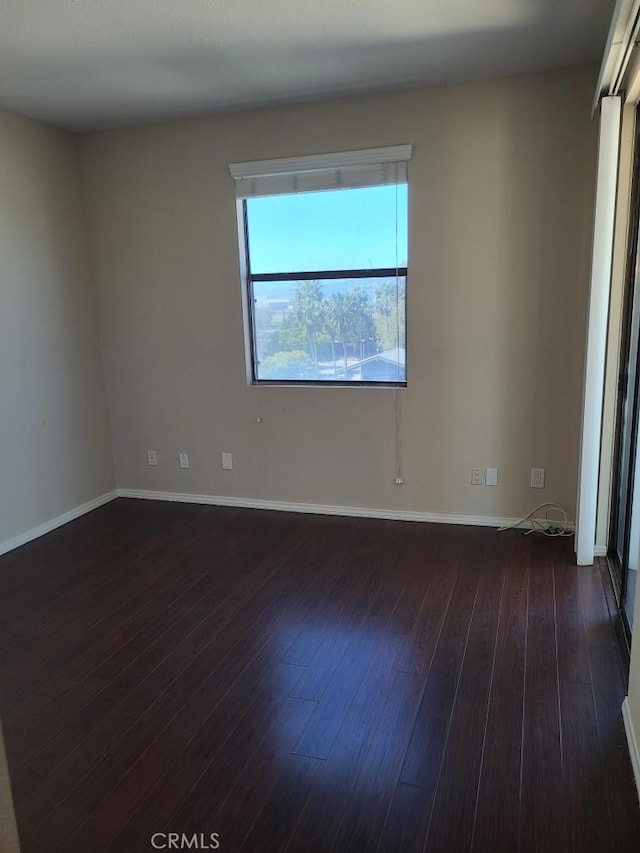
85	64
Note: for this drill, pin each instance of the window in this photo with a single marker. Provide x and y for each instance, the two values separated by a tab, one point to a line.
324	245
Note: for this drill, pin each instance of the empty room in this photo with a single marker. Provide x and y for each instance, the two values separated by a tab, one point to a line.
319	405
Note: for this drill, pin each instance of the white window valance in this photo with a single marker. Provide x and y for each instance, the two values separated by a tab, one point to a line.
343	170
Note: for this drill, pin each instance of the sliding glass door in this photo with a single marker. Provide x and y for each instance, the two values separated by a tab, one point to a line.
624	536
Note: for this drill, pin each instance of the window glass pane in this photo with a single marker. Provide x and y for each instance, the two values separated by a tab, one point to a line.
336	330
331	230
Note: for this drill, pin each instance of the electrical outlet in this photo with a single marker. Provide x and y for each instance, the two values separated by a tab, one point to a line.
184	460
537	478
227	461
492	477
152	457
477	476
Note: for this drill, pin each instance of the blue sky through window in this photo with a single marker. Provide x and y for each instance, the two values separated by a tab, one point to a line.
333	229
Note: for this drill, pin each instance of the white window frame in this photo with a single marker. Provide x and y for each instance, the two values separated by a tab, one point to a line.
343	170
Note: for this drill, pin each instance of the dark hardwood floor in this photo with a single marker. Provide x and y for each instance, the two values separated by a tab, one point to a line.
309	683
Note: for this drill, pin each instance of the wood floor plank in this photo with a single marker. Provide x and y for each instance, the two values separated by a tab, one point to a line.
412	805
155	702
364	814
160	758
409	556
622	643
332	708
613	765
335	638
274	824
234	817
196	766
453	812
318	823
260	687
172	607
542	792
497	818
424	753
587	811
72	575
212	758
440	584
461	688
63	638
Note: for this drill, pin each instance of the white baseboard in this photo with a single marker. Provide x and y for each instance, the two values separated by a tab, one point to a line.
632	742
48	526
600	551
256	503
320	509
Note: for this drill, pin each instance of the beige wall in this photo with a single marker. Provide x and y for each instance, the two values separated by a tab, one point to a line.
53	421
501	201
